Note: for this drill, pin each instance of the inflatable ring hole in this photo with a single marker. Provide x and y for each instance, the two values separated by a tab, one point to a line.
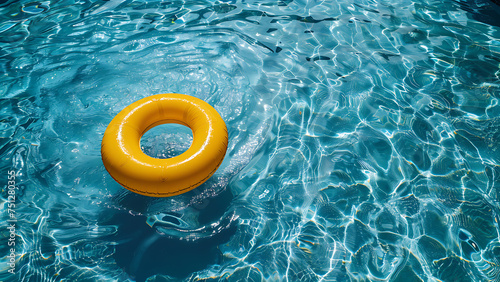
166	140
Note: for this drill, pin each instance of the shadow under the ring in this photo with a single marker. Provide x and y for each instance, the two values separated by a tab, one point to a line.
178	244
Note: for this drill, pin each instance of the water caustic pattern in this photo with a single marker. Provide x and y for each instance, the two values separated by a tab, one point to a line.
363	140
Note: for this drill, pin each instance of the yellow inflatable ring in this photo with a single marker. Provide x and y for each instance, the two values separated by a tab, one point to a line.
142	174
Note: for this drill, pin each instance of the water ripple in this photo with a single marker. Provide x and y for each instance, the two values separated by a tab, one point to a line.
362	139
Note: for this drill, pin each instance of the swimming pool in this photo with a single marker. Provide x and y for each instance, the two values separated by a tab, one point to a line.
363	140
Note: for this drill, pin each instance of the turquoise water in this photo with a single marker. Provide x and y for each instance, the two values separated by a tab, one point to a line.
363	140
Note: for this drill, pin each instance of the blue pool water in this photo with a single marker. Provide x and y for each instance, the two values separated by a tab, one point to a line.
363	140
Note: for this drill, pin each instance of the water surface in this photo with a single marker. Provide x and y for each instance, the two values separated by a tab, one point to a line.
363	139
